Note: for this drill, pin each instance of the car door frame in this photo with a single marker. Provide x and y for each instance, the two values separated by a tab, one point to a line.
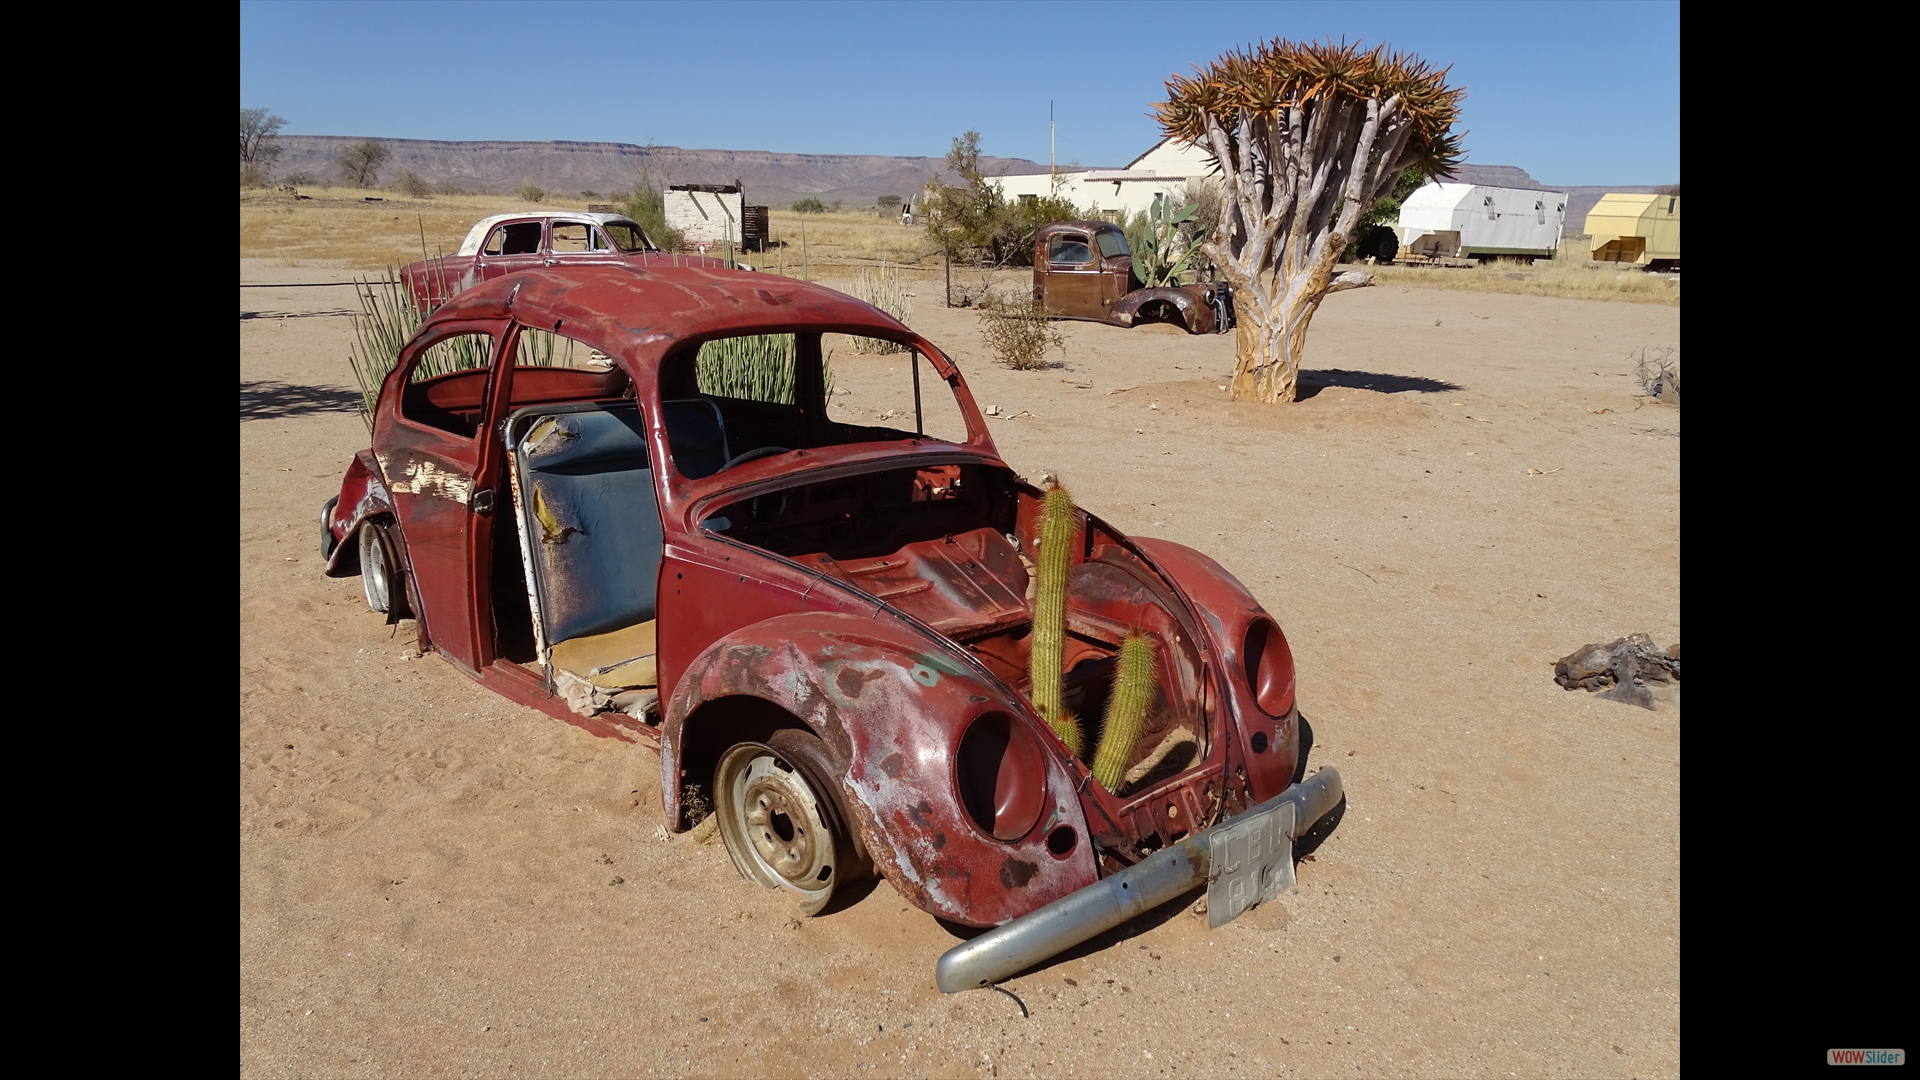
443	487
488	267
1073	290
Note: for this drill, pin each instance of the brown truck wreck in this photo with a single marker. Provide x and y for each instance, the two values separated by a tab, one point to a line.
1084	270
823	616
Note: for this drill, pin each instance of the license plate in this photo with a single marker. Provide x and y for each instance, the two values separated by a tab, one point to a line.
1250	861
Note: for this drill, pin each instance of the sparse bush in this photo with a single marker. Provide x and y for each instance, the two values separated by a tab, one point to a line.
449	187
974	218
253	175
756	367
883	289
360	165
1657	375
647	204
1018	331
300	179
888	204
412	185
530	191
809	205
388	317
753	367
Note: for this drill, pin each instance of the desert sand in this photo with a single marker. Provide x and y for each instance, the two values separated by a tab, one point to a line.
435	881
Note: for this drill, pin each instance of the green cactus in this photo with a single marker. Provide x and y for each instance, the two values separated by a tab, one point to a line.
1050	616
1126	711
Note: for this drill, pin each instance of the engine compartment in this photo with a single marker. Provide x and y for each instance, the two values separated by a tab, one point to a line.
954	546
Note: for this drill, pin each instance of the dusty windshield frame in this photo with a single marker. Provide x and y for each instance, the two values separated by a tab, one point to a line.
613	229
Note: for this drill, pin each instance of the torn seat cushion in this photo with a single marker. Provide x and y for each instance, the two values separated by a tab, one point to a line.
619	660
593	529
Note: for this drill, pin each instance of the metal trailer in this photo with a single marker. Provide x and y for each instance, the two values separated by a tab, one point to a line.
1478	222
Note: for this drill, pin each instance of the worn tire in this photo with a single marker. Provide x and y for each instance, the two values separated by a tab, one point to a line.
781	820
1386	246
327	542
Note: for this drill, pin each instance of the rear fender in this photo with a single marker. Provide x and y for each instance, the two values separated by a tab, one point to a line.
893	708
1195	313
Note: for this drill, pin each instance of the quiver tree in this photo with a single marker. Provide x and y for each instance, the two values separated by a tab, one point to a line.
1306	137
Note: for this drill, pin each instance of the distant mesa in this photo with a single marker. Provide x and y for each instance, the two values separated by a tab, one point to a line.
567	168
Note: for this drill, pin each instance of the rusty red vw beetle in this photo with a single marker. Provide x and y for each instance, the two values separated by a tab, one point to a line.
647	503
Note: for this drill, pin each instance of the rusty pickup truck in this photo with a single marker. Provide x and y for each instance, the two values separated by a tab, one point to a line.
1084	270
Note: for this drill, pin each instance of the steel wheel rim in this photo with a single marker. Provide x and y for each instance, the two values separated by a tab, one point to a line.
373	570
775	826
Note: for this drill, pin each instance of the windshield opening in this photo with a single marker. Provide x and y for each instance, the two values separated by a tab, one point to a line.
758	395
627	237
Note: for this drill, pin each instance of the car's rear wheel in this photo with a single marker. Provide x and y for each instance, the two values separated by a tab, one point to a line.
378	569
781	821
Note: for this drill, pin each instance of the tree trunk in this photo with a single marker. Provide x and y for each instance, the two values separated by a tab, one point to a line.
1271	338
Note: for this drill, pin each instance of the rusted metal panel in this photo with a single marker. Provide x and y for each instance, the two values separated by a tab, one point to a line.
897	707
1188	301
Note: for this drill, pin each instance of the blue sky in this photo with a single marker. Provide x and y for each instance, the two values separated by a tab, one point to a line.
1574	93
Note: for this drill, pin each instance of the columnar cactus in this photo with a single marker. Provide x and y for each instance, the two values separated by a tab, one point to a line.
1050	616
1126	711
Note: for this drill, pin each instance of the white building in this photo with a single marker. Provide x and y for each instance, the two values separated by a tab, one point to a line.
704	213
1465	220
1161	172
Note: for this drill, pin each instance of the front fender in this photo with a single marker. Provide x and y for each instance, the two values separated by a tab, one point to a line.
894	708
1195	314
363	494
1227	612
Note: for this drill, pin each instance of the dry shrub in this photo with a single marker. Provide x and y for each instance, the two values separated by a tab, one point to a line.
1018	331
412	185
884	289
531	192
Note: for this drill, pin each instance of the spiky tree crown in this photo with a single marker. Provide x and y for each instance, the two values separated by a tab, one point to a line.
1274	78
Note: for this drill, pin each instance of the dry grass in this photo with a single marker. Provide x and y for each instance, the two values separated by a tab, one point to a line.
1568	279
338	225
847	239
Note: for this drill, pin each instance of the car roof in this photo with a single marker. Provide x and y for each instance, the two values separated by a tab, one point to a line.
1076	226
478	234
637	312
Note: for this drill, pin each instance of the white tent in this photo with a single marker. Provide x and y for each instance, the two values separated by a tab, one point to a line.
1473	220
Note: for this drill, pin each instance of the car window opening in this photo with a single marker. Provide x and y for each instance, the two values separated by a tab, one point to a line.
516	238
748	396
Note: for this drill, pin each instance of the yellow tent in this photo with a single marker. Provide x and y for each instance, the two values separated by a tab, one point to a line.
1641	229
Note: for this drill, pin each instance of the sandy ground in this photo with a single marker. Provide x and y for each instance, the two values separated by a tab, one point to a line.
434	881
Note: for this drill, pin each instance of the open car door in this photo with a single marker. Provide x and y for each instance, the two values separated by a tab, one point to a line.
590	538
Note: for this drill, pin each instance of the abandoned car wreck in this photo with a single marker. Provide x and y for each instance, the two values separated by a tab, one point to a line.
587	493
